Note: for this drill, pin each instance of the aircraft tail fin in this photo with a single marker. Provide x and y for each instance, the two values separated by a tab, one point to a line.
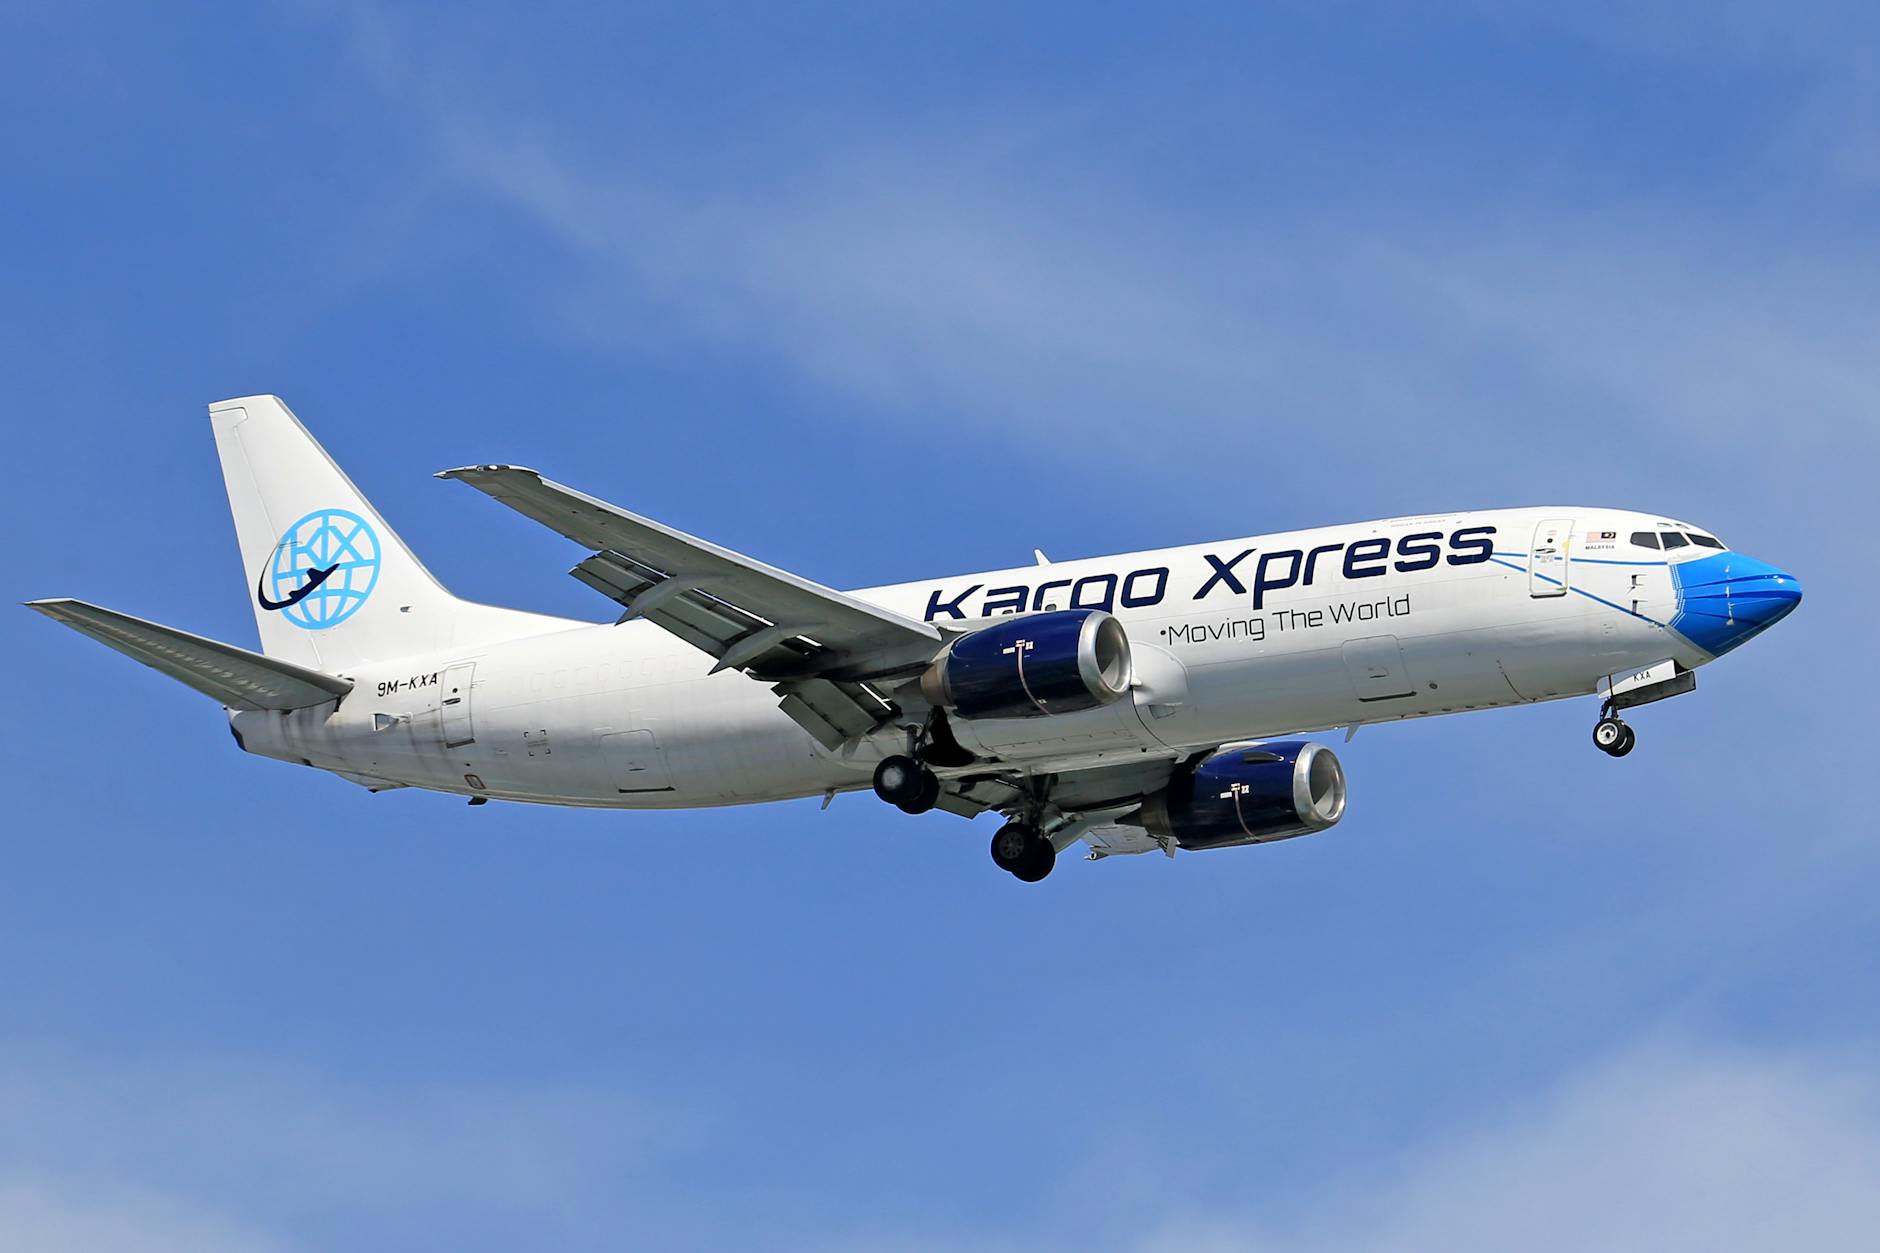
331	583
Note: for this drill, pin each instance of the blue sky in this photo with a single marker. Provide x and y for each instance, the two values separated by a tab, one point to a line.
877	292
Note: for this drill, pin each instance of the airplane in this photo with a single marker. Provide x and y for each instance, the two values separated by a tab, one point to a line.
1148	702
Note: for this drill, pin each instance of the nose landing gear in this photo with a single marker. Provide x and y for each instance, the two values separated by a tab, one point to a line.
1613	737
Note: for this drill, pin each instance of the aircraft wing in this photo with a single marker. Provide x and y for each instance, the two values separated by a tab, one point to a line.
234	676
819	646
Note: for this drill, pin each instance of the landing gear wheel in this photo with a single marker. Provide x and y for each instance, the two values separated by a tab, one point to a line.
1010	845
901	780
929	795
1613	737
1038	862
1020	849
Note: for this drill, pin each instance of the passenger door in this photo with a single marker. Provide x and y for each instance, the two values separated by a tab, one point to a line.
1547	558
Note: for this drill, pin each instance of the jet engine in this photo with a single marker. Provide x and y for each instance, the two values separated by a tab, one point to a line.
1026	667
1249	795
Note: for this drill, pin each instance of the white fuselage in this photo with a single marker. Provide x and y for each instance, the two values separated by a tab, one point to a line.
1226	647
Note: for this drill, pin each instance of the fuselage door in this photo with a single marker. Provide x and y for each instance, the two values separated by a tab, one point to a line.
1547	558
455	704
1376	667
635	762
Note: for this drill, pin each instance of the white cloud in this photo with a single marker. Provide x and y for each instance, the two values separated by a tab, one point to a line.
1014	282
236	1149
904	282
1726	32
1669	1146
1674	1146
40	1215
923	283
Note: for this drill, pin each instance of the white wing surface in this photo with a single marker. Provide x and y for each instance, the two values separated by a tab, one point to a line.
817	645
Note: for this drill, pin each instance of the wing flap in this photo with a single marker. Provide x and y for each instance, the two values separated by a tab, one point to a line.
833	712
233	676
1081	800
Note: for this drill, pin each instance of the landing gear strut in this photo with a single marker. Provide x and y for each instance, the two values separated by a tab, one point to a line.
906	784
1613	737
1024	851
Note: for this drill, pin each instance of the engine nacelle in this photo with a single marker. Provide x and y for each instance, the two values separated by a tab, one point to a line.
1249	795
1027	667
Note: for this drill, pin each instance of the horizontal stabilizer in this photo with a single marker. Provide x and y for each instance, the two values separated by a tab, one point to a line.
234	676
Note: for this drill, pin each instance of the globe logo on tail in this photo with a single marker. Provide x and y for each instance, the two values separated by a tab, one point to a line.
321	570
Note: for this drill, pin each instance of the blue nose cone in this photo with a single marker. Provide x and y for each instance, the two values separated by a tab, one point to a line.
1726	599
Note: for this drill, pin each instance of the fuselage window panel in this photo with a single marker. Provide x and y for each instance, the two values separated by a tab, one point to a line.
1645	539
1674	540
1705	541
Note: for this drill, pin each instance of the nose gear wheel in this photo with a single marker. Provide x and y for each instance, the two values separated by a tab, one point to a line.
1613	737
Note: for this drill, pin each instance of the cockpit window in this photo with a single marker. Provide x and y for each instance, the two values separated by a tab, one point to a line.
1645	539
1705	541
1674	540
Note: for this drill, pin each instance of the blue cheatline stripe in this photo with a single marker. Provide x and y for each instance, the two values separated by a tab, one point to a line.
1630	613
1596	561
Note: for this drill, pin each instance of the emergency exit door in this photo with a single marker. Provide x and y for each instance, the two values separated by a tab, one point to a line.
1547	557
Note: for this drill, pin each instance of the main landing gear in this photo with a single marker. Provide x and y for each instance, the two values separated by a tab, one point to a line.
1613	737
906	784
1024	851
905	779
